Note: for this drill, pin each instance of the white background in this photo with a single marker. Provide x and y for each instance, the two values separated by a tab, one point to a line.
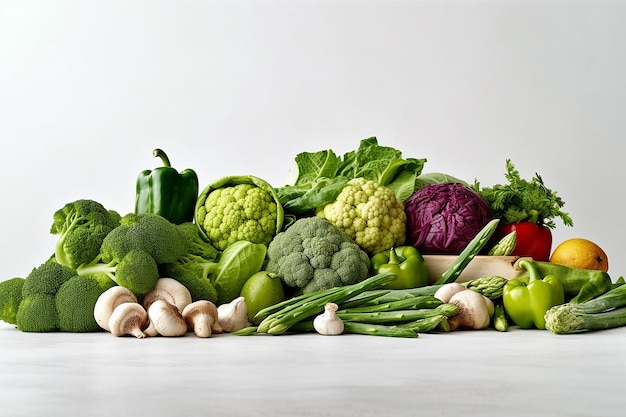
88	89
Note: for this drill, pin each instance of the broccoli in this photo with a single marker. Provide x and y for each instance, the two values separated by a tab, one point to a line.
37	309
75	302
132	252
369	213
81	226
37	313
136	270
53	297
148	232
194	267
10	298
47	278
312	254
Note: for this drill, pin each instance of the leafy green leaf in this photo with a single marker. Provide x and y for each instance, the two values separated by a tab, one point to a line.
318	177
522	200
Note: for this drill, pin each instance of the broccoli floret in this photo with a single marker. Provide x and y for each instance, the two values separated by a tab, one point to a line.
313	254
75	302
147	232
136	270
10	298
37	313
81	226
47	278
37	310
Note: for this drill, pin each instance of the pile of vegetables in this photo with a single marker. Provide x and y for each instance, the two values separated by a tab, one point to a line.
344	238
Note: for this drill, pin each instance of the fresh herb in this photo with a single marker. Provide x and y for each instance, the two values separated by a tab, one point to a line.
523	201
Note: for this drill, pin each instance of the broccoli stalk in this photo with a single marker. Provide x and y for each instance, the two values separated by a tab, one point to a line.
603	312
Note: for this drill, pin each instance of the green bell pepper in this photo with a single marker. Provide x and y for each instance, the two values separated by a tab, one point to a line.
406	263
167	192
527	299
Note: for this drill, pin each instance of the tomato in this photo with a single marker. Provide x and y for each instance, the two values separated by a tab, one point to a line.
533	240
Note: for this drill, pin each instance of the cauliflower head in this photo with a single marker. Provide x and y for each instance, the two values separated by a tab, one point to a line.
312	254
239	208
369	213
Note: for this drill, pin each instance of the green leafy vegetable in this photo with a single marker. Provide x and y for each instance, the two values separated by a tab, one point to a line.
236	264
523	201
318	177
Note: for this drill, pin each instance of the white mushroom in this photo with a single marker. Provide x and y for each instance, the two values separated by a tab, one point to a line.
169	290
128	319
165	319
446	291
202	318
107	301
474	310
233	316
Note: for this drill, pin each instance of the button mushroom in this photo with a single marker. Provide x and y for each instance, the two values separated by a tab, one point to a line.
165	319
128	319
108	301
170	291
201	318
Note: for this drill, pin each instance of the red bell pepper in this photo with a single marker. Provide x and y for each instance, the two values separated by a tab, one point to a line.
533	240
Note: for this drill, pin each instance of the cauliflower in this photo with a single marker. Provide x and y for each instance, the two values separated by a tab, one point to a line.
239	208
369	213
312	254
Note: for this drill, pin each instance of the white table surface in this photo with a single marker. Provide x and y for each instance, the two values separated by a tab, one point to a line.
468	373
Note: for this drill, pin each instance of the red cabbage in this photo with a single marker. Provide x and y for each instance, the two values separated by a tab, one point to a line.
443	218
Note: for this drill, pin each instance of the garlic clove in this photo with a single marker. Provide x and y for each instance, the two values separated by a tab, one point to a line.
166	319
128	319
328	323
170	291
201	317
108	301
233	316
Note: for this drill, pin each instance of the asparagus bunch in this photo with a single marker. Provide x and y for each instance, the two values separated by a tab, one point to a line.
364	307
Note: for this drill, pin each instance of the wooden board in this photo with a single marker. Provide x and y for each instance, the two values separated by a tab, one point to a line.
480	266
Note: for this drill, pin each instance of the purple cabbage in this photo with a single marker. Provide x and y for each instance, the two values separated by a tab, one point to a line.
443	218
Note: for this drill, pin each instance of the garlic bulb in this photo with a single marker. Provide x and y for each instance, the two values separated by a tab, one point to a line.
233	316
328	323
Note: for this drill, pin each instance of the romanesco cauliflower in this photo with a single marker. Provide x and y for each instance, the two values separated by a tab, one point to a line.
369	213
239	208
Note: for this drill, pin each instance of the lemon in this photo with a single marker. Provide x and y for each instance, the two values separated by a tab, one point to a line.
262	290
580	253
